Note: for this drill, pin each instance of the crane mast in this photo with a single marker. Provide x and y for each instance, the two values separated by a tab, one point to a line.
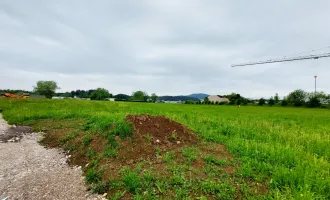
285	59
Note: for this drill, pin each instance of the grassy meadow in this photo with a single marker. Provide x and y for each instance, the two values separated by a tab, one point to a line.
287	150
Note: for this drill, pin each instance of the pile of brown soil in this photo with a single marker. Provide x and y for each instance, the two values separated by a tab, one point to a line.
163	131
152	137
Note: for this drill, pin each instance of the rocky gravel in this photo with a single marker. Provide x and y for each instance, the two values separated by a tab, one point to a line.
30	171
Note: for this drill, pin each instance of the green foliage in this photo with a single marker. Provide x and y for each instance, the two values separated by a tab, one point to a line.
297	98
93	176
271	101
211	160
169	156
154	97
47	88
276	99
284	102
132	180
222	190
67	137
100	94
87	139
262	102
140	96
112	141
110	152
191	153
100	187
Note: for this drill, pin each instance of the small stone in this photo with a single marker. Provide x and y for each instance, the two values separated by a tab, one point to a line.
105	194
87	165
14	126
157	141
157	126
130	162
178	142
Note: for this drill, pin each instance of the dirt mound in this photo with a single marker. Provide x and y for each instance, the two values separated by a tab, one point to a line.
162	130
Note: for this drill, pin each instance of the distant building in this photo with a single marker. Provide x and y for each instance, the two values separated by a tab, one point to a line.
216	98
111	99
58	97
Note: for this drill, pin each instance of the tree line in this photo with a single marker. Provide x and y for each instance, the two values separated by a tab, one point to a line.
296	98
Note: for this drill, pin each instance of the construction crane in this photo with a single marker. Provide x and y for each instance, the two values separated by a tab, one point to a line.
285	59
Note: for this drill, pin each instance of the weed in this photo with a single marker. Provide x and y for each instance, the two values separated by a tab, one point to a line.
122	128
110	152
148	138
118	195
173	137
87	139
158	150
211	160
132	180
191	153
211	170
112	141
90	153
169	156
100	187
93	176
67	137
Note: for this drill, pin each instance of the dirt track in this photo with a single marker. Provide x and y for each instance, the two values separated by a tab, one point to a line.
30	171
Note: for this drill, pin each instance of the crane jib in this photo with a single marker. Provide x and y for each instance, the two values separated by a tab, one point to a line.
284	59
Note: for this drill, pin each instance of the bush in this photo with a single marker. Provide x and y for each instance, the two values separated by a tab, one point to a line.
262	102
314	102
297	98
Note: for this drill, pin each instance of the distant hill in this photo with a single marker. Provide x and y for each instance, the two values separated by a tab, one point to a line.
198	95
177	98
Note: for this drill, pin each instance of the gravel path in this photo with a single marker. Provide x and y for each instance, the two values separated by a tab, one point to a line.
30	171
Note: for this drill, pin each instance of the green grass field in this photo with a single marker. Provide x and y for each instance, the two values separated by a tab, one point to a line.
285	149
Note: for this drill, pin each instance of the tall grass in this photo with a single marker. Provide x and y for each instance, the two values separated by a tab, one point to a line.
288	148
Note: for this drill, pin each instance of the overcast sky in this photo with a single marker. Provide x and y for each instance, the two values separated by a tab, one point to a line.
168	47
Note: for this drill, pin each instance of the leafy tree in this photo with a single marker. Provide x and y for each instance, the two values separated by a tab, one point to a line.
276	99
314	102
122	97
154	97
245	101
238	101
315	99
297	97
271	101
140	96
47	88
262	102
100	94
284	102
